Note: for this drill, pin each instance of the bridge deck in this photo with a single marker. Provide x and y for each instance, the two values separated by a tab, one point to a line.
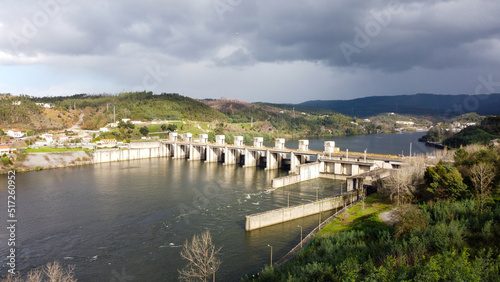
352	155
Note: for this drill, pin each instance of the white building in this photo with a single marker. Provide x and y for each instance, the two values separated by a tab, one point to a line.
45	105
63	138
15	133
86	139
49	138
405	122
5	150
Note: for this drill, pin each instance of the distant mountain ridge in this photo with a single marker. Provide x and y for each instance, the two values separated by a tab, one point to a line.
416	104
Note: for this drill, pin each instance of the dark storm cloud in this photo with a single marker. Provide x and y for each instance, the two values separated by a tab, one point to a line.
242	39
388	35
430	34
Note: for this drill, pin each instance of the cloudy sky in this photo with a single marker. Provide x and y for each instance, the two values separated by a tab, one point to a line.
253	50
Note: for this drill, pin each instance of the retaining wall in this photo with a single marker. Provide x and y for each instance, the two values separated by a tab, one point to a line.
116	155
264	219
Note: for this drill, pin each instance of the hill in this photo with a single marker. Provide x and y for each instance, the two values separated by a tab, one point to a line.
482	134
23	113
239	111
418	104
145	106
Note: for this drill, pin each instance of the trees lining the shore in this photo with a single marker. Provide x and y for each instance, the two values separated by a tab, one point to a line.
448	229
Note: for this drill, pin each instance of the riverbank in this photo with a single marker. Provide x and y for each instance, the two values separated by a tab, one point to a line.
362	215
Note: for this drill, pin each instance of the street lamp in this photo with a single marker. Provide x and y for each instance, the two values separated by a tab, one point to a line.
300	235
271	254
213	273
288	203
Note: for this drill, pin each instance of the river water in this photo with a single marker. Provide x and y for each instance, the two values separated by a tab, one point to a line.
127	221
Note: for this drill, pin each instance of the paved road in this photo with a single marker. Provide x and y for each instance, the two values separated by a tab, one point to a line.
78	125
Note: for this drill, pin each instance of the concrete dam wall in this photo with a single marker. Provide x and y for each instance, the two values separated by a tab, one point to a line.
306	172
116	155
264	219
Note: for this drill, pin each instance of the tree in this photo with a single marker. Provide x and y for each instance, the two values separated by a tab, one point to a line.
52	271
163	127
445	181
126	128
201	255
172	127
144	130
220	128
401	182
482	176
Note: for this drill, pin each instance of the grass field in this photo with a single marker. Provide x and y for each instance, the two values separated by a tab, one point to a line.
359	215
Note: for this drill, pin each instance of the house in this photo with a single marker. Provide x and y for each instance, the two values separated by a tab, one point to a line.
16	103
103	129
63	138
109	142
45	105
405	122
49	138
15	133
5	150
86	139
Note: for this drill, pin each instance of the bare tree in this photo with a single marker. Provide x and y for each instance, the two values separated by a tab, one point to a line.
397	183
201	255
52	272
402	182
482	175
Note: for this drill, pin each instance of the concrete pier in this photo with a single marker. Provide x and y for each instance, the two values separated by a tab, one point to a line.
331	160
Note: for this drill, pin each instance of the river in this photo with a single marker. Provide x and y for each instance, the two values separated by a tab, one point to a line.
129	220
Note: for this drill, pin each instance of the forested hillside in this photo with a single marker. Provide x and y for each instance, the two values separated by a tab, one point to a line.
100	110
488	130
144	106
22	113
417	104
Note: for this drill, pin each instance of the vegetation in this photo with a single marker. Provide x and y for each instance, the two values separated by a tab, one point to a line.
435	242
443	106
361	214
53	272
29	116
445	182
201	255
447	228
482	134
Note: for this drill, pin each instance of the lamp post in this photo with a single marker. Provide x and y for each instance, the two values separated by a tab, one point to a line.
300	235
317	194
271	254
288	202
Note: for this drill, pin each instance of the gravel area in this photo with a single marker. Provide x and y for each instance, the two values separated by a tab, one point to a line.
388	217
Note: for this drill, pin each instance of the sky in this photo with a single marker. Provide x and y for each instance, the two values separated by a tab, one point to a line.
282	51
